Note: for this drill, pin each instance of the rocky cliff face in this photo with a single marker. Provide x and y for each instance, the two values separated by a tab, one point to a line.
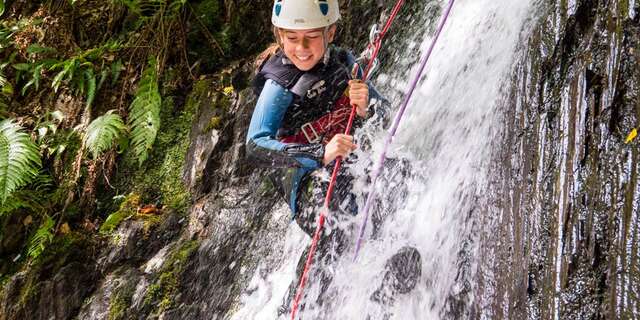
567	245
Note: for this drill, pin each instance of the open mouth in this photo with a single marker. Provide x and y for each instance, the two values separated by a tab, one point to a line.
303	58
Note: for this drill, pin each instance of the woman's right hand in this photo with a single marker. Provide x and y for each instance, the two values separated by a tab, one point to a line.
341	145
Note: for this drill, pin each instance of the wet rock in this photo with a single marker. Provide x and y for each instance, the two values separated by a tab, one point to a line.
569	182
60	297
402	273
124	243
112	298
132	240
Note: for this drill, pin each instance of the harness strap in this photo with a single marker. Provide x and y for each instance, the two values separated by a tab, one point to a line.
325	127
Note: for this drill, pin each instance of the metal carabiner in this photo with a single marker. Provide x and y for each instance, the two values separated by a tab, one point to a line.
373	34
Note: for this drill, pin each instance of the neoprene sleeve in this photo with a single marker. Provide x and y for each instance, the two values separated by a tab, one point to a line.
263	147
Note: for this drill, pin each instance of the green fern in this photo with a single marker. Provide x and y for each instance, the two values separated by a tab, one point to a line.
32	198
103	132
6	88
41	238
6	92
144	113
19	158
21	199
150	8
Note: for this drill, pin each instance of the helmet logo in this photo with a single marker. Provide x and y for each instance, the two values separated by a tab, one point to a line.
277	8
324	7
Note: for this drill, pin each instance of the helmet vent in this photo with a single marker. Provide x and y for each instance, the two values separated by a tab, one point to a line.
324	7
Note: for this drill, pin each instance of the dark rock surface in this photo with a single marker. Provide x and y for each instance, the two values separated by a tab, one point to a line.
567	243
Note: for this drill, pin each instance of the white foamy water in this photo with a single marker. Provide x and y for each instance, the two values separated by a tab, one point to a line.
446	132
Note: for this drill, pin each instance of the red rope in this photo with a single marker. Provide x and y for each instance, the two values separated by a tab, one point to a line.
321	218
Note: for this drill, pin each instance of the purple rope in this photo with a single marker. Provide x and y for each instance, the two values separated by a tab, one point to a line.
394	128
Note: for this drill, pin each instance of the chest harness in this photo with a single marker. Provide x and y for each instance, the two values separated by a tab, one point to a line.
320	108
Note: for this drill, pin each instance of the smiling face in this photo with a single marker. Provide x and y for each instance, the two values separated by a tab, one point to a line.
305	48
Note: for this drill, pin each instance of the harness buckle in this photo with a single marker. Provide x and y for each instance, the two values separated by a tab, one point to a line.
313	130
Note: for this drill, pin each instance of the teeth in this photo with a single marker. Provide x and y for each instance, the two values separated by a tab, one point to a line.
303	58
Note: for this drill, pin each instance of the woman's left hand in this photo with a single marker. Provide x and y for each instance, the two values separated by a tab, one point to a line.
359	95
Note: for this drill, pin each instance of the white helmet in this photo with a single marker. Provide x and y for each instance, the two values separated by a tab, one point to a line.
304	14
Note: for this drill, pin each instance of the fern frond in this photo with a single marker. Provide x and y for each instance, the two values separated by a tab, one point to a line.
33	197
176	5
144	113
91	86
103	132
23	199
41	238
19	158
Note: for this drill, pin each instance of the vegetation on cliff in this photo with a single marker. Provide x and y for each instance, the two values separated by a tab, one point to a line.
93	113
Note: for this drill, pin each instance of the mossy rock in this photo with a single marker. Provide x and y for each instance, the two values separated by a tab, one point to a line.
127	209
161	293
121	298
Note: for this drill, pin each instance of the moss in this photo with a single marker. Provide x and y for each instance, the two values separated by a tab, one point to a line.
63	250
162	292
153	292
127	208
28	290
148	222
214	124
120	301
159	179
118	307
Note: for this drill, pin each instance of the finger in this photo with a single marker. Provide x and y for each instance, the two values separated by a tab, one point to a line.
348	146
345	141
356	90
358	95
342	136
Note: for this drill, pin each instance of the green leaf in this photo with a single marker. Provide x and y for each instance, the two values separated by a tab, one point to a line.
58	79
41	238
35	48
7	89
103	77
91	86
103	132
36	76
32	199
144	113
22	66
23	199
116	68
19	158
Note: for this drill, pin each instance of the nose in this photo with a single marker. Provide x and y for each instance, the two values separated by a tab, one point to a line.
304	43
